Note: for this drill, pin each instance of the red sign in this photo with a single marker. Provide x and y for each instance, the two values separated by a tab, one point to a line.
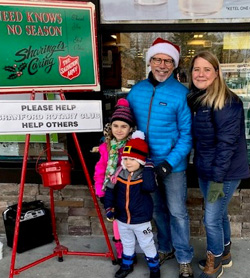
69	67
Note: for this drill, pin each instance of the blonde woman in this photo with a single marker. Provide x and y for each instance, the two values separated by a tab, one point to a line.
220	154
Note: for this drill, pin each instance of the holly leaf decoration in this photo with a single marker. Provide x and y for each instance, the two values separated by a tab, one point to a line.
12	76
22	66
18	70
10	68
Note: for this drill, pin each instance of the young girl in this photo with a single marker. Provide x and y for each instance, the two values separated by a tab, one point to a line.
128	199
116	135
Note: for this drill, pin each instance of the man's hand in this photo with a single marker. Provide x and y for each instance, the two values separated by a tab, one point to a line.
110	214
163	169
215	191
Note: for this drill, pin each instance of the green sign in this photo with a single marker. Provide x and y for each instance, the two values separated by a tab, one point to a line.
48	46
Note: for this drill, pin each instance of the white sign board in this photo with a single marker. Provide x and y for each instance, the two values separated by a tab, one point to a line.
134	11
49	116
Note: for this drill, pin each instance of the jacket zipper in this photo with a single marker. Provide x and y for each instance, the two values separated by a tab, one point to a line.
127	199
149	114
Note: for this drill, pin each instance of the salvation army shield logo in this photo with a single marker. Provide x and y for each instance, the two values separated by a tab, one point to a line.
69	67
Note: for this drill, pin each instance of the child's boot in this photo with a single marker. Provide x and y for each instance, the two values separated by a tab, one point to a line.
154	266
213	267
126	267
119	248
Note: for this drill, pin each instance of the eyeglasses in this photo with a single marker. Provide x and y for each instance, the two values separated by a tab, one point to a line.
158	61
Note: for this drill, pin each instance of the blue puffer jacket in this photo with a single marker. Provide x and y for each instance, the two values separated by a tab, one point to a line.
162	113
220	143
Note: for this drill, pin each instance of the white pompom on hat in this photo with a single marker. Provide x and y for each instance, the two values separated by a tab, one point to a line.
161	46
136	148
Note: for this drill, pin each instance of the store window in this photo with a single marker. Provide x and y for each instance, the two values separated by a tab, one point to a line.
12	146
126	51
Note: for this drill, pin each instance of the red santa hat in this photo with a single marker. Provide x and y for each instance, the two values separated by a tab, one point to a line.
165	47
136	148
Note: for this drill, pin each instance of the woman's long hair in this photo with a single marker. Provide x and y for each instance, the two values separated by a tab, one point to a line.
218	93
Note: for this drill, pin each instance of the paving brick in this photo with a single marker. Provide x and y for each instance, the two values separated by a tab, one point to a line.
62	228
89	203
235	204
246	225
82	211
97	228
61	210
62	217
236	218
236	229
245	233
195	202
245	192
30	190
8	189
245	206
194	193
79	230
65	203
78	221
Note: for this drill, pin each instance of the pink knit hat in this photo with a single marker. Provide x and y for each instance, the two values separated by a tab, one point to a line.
123	112
165	47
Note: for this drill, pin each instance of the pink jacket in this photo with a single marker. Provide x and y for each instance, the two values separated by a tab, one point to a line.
101	166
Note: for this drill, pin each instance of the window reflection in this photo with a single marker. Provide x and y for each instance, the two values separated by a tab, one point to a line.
128	65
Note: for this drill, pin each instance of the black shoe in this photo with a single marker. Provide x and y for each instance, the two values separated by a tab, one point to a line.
135	260
119	261
122	272
156	274
165	256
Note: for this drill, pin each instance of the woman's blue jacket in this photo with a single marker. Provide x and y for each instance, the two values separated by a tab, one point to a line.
220	142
